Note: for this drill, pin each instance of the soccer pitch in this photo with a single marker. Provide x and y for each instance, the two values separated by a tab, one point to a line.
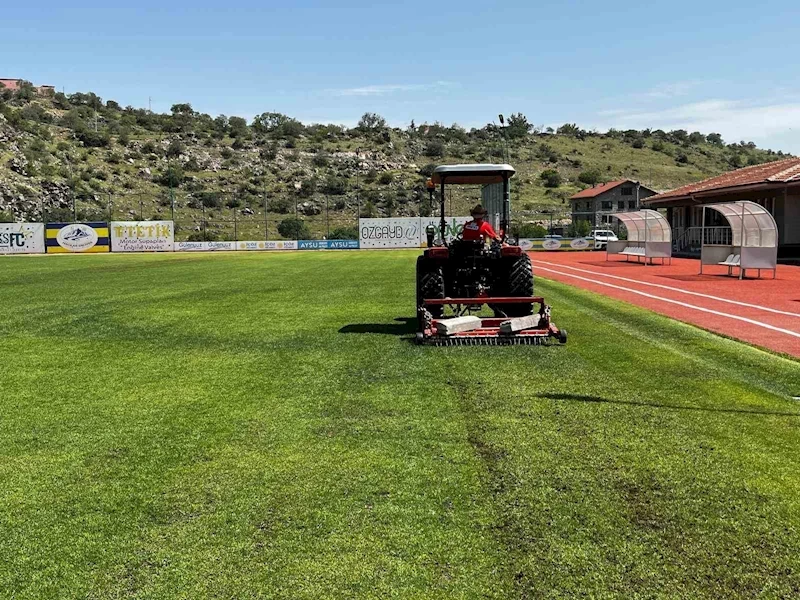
258	425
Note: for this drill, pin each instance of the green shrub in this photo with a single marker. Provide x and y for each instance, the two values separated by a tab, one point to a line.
175	149
281	205
529	230
294	229
344	233
335	186
551	178
320	159
386	178
590	177
434	149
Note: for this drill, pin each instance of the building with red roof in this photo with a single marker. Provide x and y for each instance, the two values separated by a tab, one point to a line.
596	204
14	84
774	185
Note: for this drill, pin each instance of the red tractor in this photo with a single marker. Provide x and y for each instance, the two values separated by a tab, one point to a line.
464	275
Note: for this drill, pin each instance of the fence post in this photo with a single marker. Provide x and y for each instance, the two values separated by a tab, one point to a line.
327	221
74	209
235	225
44	220
266	220
141	209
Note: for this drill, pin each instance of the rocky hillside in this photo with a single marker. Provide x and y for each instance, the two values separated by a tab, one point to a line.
128	162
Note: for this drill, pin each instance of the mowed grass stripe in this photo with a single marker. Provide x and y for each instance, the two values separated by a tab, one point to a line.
246	425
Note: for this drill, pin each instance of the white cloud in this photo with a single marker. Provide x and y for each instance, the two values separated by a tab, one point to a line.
670	90
385	90
735	120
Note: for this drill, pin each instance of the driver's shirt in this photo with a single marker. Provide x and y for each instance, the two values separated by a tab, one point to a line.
474	231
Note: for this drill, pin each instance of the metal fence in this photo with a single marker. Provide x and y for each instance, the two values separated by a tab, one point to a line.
232	216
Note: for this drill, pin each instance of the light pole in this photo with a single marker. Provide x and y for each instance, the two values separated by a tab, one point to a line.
358	187
503	135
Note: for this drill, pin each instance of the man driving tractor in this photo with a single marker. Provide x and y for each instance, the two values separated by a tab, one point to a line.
478	229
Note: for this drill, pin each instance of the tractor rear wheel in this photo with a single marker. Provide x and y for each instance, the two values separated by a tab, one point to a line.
430	285
517	280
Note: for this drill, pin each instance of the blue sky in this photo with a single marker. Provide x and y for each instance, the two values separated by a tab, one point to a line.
710	66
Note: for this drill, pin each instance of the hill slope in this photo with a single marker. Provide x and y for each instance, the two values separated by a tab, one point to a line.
129	162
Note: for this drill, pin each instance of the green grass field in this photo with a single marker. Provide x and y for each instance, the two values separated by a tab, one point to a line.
257	425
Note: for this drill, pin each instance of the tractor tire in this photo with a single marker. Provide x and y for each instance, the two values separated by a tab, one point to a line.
430	285
518	281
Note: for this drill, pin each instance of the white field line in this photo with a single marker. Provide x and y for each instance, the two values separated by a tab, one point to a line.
673	289
678	302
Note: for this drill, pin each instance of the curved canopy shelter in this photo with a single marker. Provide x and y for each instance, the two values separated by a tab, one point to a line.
649	236
753	240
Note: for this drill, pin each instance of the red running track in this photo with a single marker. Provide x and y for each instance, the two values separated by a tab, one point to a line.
764	312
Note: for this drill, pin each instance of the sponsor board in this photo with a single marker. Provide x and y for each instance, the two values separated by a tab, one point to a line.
327	244
21	238
142	236
267	245
213	246
551	244
204	246
404	232
554	244
76	237
453	227
189	246
282	245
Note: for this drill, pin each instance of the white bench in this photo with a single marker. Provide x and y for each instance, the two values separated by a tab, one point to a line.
636	251
733	260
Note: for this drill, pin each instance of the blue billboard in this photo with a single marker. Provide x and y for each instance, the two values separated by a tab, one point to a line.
327	244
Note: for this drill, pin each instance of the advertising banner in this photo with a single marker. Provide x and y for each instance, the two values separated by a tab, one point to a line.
267	245
213	246
76	237
189	246
403	232
21	238
327	244
142	236
203	246
453	227
554	244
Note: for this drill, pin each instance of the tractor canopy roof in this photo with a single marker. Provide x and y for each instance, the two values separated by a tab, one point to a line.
472	174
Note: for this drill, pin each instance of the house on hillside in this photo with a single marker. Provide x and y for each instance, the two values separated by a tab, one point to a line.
774	185
597	203
13	85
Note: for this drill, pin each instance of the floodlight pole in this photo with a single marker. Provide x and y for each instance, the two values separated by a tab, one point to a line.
358	186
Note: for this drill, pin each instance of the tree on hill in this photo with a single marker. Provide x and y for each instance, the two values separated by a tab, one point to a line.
278	125
590	177
238	127
518	126
371	122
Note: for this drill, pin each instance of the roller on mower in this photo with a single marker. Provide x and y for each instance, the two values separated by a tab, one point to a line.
457	279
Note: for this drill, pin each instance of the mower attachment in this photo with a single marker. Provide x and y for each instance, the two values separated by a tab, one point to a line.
492	331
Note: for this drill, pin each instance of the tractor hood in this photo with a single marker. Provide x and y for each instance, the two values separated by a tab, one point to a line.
472	174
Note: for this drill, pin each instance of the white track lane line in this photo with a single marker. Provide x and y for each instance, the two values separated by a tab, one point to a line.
673	289
678	302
